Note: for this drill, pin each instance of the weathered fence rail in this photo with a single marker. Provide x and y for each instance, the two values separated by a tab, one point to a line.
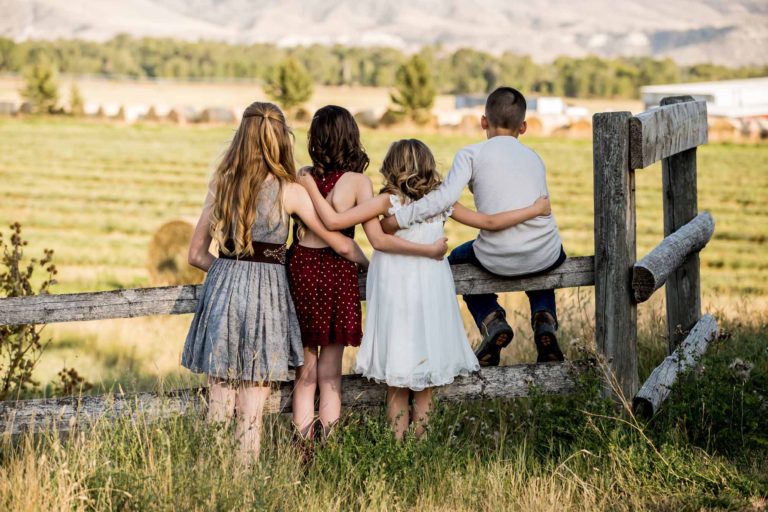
65	414
666	130
622	143
651	272
658	386
176	300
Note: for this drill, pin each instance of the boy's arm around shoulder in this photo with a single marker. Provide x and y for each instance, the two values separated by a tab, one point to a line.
385	242
442	197
502	220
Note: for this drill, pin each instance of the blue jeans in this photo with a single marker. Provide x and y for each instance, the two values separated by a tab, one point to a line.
480	306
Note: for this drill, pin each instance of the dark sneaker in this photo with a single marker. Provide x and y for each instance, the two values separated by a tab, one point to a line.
545	337
497	334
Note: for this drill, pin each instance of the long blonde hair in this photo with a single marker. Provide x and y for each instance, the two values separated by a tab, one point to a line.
409	170
262	145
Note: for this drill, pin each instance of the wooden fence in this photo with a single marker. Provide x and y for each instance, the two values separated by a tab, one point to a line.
622	143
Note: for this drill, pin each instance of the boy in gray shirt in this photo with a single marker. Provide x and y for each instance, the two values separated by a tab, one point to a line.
503	174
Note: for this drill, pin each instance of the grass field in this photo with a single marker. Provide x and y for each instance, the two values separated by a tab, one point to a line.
706	451
95	193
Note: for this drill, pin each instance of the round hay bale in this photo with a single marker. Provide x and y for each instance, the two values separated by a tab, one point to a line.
470	123
167	258
581	129
724	130
535	126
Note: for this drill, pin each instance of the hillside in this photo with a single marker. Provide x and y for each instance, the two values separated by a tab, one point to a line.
731	33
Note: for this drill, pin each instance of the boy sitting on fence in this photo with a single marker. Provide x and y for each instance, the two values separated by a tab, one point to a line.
503	174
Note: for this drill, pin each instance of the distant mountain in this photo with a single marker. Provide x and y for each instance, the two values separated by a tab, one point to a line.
730	32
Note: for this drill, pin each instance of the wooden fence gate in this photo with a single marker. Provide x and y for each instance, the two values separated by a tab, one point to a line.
621	144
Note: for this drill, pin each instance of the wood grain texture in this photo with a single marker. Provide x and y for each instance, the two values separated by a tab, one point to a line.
614	190
174	300
656	389
683	290
651	272
65	414
667	130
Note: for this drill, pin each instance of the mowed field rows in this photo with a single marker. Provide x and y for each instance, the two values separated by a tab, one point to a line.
95	194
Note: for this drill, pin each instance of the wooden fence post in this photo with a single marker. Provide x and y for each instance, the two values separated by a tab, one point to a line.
683	288
615	251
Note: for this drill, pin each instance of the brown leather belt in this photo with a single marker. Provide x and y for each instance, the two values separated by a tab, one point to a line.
263	252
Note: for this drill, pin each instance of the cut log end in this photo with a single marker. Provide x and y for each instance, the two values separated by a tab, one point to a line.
643	283
642	408
653	270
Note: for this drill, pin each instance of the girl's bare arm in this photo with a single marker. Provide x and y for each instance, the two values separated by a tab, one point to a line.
199	256
388	243
501	220
297	201
334	220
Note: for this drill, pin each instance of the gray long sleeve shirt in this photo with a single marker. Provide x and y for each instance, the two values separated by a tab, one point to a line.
503	174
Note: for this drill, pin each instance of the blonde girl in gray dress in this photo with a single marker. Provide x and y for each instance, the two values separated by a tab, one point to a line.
245	334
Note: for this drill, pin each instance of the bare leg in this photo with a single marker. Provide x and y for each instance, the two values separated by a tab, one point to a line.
422	403
251	398
329	380
397	410
221	401
304	392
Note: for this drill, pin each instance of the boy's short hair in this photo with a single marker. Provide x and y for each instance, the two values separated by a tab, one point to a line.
505	108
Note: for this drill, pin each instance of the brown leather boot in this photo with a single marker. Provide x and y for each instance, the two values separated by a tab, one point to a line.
545	337
497	334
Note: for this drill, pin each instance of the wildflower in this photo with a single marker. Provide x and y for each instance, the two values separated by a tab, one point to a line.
741	369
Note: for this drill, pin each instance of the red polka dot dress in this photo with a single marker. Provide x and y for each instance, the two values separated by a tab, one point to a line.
325	288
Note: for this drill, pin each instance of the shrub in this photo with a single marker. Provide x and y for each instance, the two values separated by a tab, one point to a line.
723	405
20	345
415	89
76	102
41	88
289	84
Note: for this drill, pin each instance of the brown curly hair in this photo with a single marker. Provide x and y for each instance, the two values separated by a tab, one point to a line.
334	142
409	170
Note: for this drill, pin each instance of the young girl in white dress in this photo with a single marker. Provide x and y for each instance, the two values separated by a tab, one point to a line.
414	337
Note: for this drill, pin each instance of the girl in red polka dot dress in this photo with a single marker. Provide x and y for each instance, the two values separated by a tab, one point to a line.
324	285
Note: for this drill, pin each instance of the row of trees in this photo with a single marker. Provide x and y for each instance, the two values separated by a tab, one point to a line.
460	71
288	83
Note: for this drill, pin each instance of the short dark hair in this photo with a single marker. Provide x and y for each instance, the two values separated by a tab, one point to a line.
505	108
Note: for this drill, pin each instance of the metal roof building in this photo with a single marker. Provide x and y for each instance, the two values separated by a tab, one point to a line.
727	98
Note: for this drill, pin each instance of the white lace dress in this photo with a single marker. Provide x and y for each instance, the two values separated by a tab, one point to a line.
414	336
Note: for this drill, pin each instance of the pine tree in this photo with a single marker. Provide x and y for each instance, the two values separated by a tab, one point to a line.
76	102
415	88
289	84
41	88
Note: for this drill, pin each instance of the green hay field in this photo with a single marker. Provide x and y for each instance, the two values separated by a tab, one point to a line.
95	193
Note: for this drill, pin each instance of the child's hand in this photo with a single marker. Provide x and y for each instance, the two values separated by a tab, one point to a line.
305	179
542	206
438	249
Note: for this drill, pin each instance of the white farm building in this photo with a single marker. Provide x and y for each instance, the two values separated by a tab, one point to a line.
736	99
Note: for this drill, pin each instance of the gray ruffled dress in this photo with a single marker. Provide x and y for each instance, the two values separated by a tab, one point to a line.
245	326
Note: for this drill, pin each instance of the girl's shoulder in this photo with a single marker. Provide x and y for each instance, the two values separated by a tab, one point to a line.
395	202
354	179
293	191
